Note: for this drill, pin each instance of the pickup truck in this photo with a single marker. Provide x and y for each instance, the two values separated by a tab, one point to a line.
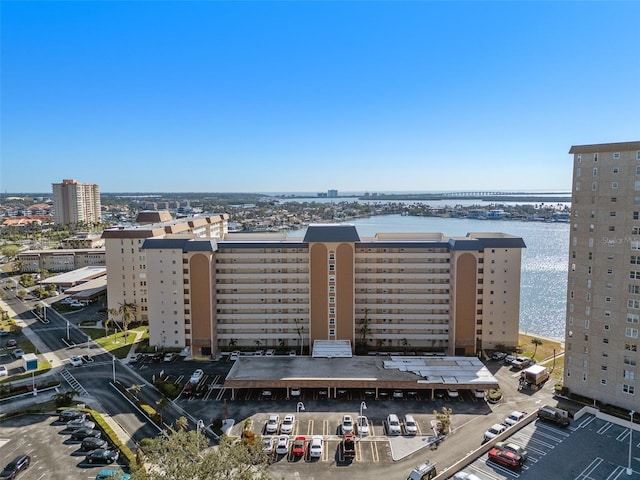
349	445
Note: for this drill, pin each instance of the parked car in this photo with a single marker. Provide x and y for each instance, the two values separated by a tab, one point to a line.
18	353
453	393
270	353
555	415
235	355
19	464
512	447
12	343
83	433
102	455
362	423
295	392
266	394
393	425
71	414
479	393
514	417
282	447
169	357
498	355
398	394
80	423
272	424
299	446
287	424
508	359
410	425
110	473
268	444
347	424
315	447
494	431
3	371
93	443
506	458
196	376
75	361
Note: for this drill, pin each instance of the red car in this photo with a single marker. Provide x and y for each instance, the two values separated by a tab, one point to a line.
299	446
506	458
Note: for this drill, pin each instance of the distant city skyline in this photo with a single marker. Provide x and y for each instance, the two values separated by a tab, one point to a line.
312	96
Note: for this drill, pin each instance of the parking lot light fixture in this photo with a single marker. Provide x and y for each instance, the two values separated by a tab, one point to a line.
363	406
300	407
199	426
629	469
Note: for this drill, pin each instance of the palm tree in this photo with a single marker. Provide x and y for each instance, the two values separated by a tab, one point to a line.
182	423
135	389
536	342
128	313
364	330
161	404
112	314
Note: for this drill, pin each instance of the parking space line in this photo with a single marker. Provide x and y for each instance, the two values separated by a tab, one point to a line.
623	435
310	428
325	427
358	452
604	428
586	473
375	457
587	421
221	394
178	379
247	395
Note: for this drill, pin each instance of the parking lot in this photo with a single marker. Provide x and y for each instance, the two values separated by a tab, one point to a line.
53	454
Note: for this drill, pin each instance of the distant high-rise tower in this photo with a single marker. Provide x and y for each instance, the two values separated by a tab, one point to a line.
603	288
75	202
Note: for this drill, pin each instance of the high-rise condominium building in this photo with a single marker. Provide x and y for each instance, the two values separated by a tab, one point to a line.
419	291
75	202
603	288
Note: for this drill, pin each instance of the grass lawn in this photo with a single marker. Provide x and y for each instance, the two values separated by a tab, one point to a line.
543	352
115	343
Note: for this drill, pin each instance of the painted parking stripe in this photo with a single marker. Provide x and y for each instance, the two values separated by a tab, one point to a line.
586	473
604	428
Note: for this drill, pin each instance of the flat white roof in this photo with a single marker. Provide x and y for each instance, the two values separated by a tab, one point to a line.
74	277
331	349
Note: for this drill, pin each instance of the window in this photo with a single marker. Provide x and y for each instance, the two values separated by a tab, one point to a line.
638	155
630	361
631	347
614	199
616	155
629	375
634	289
633	318
607	299
616	170
595	157
595	172
634	275
635	304
594	186
631	332
636	215
332	332
630	389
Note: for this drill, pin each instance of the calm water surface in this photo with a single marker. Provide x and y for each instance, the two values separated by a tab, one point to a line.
544	261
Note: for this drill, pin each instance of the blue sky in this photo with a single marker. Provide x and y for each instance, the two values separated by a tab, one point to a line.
209	96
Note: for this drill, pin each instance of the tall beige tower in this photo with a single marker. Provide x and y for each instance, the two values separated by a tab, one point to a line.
75	202
603	288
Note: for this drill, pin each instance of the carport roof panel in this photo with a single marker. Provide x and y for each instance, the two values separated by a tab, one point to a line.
264	371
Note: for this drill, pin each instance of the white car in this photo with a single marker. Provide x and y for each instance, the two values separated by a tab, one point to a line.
196	376
363	426
75	361
295	392
315	447
287	424
479	393
465	476
347	424
272	424
235	355
453	393
282	448
494	431
410	425
3	371
393	425
18	353
268	444
514	417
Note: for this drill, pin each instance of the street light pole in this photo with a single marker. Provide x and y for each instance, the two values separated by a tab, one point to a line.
67	329
299	407
113	362
363	406
629	469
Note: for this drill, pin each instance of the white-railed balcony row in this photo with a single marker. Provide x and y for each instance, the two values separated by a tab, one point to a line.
413	336
400	293
389	276
431	317
258	325
394	295
244	257
259	336
261	297
260	283
263	309
434	328
259	273
280	319
423	308
258	289
401	299
405	256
